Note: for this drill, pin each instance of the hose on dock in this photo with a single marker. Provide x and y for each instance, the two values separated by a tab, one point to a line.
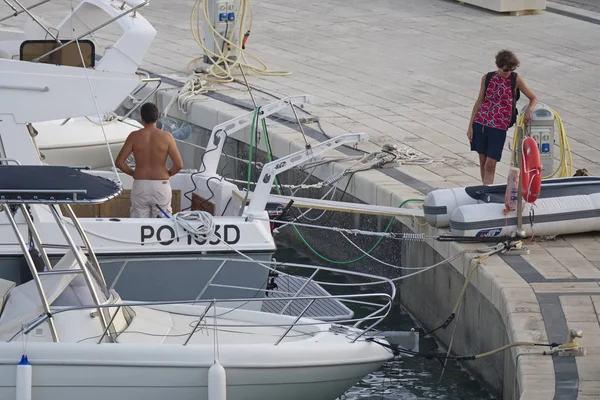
397	350
473	239
222	62
500	248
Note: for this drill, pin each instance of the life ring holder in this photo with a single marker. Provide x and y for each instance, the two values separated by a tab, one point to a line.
531	170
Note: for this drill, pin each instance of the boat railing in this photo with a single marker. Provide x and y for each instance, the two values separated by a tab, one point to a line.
22	10
90	31
137	103
340	327
306	276
309	290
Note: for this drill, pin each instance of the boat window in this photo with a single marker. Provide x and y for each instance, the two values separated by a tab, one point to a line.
68	55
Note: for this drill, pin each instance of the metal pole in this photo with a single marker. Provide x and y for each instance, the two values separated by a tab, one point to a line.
109	324
36	238
80	261
31	265
37	21
284	309
92	30
145	98
17	12
247	85
86	242
212	278
519	160
295	322
200	318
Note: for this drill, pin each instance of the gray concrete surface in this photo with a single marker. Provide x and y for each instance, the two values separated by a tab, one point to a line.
591	5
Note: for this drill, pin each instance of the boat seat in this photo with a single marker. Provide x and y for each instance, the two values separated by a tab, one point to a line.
24	304
5	288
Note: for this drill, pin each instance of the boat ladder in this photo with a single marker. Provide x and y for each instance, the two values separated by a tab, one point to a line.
82	262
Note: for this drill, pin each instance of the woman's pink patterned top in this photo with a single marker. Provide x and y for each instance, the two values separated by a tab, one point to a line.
496	108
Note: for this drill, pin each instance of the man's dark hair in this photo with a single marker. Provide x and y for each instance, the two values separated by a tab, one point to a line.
506	59
149	113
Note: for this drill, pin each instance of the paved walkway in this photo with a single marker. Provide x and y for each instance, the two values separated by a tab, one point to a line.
407	72
591	5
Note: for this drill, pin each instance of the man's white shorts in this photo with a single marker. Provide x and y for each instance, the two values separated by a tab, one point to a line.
146	195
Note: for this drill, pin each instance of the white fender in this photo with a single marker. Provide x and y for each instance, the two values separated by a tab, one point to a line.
24	379
217	382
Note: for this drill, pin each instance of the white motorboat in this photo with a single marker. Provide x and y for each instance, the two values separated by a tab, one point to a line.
83	341
83	140
62	93
114	235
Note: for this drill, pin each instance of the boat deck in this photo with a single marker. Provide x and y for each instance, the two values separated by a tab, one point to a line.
407	73
155	326
322	309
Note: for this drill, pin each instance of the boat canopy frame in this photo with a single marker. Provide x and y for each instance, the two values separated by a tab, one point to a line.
21	185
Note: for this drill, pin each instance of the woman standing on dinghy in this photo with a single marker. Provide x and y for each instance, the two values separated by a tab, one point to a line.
495	111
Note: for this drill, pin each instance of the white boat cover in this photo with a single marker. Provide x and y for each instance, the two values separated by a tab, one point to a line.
24	303
82	132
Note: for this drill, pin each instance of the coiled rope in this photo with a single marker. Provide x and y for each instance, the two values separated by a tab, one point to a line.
204	230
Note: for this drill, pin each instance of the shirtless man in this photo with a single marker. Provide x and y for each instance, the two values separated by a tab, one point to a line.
150	147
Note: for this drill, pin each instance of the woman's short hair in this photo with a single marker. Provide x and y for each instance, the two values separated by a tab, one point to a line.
506	59
149	113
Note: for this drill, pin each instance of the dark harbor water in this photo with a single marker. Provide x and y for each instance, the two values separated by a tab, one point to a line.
412	378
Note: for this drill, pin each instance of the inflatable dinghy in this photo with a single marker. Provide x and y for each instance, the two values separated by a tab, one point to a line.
440	204
548	216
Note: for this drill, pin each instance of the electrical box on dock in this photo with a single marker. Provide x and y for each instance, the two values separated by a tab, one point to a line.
543	131
221	29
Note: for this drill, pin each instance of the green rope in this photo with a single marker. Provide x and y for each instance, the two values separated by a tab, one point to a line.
322	257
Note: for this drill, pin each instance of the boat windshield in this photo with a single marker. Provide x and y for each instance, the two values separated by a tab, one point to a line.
68	55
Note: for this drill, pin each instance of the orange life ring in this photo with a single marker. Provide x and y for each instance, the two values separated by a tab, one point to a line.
531	171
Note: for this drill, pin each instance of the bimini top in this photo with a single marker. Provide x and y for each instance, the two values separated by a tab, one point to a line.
53	184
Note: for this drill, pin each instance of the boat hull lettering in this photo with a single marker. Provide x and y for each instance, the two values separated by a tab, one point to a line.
165	235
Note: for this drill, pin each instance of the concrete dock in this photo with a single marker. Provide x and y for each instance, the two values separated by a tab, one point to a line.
407	72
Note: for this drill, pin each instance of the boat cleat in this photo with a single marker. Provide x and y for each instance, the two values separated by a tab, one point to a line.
571	348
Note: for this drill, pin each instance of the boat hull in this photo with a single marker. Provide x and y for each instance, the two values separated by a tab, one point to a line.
440	205
548	217
176	372
82	141
93	156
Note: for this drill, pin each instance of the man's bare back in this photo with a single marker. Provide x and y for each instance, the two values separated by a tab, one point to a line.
151	191
150	147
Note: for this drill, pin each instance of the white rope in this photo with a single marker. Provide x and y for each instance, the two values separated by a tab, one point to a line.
369	161
204	230
304	214
188	93
409	156
497	249
112	159
257	164
417	237
378	260
482	253
108	118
